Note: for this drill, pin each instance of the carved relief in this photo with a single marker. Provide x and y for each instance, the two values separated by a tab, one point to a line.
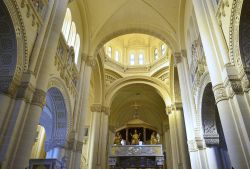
39	98
64	61
36	9
221	9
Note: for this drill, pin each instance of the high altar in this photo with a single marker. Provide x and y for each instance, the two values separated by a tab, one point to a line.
136	145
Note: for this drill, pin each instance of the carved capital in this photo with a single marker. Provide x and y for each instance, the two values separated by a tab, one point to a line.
90	61
177	57
220	93
39	98
75	145
25	91
100	108
169	110
192	146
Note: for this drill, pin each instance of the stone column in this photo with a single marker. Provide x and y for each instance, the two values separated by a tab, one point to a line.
189	111
98	137
22	141
230	120
20	159
178	138
81	110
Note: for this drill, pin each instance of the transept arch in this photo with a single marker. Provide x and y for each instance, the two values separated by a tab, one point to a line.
13	49
155	83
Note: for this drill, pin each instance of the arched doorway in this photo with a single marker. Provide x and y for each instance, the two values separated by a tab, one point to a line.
8	49
217	152
52	129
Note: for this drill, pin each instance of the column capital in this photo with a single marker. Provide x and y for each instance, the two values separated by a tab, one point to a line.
178	56
173	107
220	93
25	91
75	145
39	97
91	61
100	108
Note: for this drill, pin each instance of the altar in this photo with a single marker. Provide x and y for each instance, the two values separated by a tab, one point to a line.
136	156
136	145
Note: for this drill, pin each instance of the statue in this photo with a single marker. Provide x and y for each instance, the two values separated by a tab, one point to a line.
117	139
135	138
153	139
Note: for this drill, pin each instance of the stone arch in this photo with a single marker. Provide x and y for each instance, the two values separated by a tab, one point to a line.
147	29
13	47
204	81
56	82
54	119
209	113
239	36
244	39
120	83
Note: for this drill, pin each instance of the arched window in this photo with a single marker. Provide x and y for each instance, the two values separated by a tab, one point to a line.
66	24
77	47
117	56
109	51
72	35
163	49
156	56
141	59
132	59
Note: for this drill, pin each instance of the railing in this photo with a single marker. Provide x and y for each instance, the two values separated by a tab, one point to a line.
65	64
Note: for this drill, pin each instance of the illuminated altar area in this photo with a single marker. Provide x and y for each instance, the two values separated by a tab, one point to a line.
136	145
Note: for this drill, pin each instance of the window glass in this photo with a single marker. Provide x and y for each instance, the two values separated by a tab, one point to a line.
163	49
141	59
66	24
117	56
132	59
77	48
109	51
72	35
156	56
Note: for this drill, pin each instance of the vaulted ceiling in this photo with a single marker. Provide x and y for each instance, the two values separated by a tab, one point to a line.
151	108
108	17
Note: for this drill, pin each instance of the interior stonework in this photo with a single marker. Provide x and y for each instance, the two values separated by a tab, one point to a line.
100	84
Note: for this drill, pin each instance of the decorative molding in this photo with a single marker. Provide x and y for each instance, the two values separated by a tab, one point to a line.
220	93
36	9
39	98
